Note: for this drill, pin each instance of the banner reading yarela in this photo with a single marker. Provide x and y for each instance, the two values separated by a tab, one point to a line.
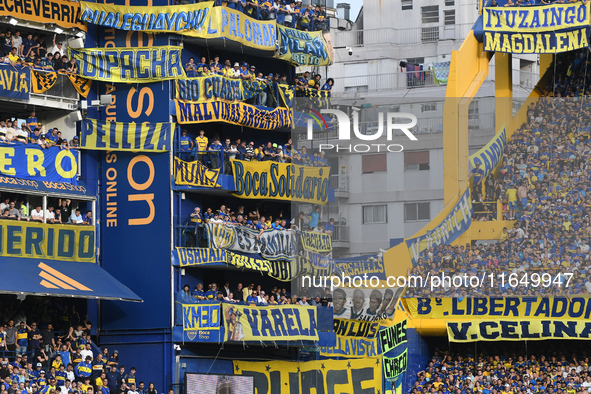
281	181
517	330
61	12
33	163
143	137
548	28
216	87
362	375
138	65
270	323
194	174
302	48
238	113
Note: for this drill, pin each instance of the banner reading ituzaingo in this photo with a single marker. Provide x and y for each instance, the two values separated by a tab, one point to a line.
63	13
362	375
302	48
450	228
270	323
394	366
216	87
237	113
142	137
548	28
517	330
189	19
281	181
194	174
137	65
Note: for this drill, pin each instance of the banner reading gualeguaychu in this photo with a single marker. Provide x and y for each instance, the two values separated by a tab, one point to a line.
194	174
280	181
146	137
270	323
302	48
137	65
33	163
63	13
551	28
201	20
237	113
217	87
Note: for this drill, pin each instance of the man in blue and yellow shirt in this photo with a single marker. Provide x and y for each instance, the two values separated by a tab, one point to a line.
186	147
22	339
61	375
84	369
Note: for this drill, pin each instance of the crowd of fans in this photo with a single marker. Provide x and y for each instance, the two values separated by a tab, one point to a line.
32	132
553	370
60	211
255	220
32	51
215	154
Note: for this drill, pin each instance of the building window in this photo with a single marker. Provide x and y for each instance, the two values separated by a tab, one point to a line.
430	34
415	60
416	161
417	211
430	14
450	3
375	214
373	163
449	17
406	5
431	107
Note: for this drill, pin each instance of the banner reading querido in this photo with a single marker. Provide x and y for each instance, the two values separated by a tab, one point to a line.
33	163
237	113
302	48
318	376
281	181
98	134
511	308
61	12
270	323
548	28
194	174
137	65
517	330
216	87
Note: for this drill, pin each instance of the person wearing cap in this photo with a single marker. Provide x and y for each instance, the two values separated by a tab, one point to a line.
56	48
41	380
75	142
244	73
84	368
236	72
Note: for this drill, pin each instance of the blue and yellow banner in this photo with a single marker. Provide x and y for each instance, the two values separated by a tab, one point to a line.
280	181
234	25
490	155
46	186
269	323
136	65
392	336
202	322
82	85
302	48
137	137
363	375
39	241
237	113
15	82
195	174
217	87
192	257
356	328
551	28
42	81
63	13
352	347
33	163
450	228
517	330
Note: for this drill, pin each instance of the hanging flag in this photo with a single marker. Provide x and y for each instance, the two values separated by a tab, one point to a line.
82	85
42	81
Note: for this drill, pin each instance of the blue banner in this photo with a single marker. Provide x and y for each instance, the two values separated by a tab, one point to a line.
15	81
33	163
490	155
45	186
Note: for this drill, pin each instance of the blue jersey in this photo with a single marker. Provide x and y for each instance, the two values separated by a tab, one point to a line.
22	337
185	144
83	369
61	377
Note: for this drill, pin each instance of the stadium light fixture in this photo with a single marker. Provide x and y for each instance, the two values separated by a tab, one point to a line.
58	30
13	21
80	34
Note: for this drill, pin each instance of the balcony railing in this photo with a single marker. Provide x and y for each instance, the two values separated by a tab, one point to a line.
384	82
62	88
391	36
340	183
340	233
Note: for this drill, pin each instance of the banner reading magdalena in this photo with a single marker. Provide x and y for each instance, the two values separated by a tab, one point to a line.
137	65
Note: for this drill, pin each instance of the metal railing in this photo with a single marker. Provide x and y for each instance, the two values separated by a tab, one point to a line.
391	36
384	82
62	88
339	183
340	233
524	79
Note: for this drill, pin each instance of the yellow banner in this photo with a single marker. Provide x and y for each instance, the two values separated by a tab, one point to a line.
217	87
280	181
356	328
201	317
553	42
517	330
61	12
302	48
316	242
42	81
137	137
236	26
82	85
42	241
194	174
490	155
270	323
353	347
394	366
513	308
536	19
237	113
138	65
318	376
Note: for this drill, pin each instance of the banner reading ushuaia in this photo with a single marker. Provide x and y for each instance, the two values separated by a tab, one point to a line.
63	13
450	228
33	163
551	28
136	65
98	134
281	181
302	48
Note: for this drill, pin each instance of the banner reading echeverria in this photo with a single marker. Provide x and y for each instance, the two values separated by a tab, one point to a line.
143	137
61	12
281	181
137	65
